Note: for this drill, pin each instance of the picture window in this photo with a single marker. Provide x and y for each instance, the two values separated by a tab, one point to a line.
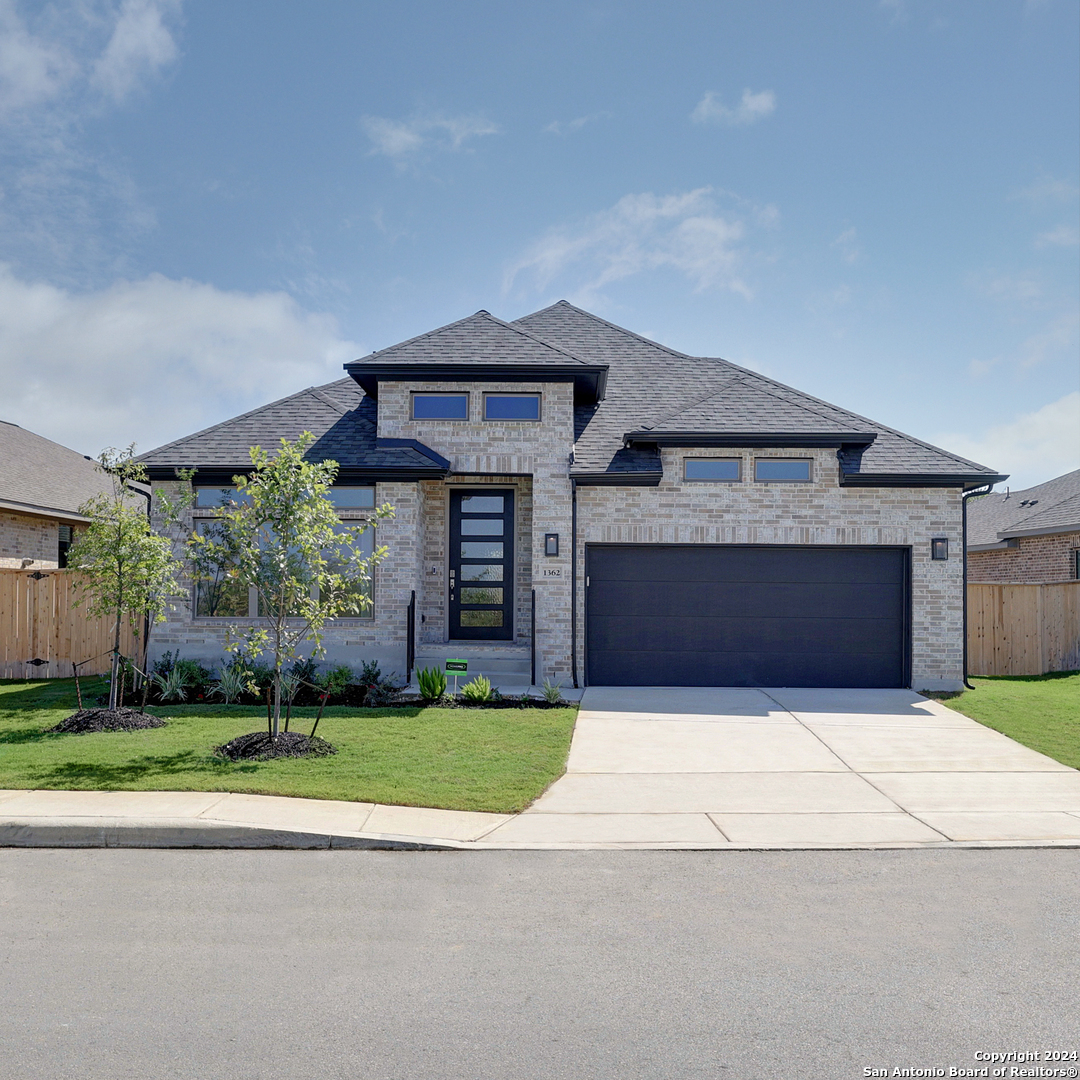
440	406
511	406
782	470
718	470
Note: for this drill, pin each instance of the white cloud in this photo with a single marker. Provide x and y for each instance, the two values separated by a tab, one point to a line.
1061	236
751	108
403	139
847	244
644	232
568	127
152	360
1048	190
1032	448
1059	335
141	44
33	69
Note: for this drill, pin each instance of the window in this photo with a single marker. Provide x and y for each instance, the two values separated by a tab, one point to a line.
716	469
440	406
63	542
352	498
214	496
785	470
217	595
511	406
1076	564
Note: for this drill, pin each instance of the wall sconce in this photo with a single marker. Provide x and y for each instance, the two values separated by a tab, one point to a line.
551	543
939	548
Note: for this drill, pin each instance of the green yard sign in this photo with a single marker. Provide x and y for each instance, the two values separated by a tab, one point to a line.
457	665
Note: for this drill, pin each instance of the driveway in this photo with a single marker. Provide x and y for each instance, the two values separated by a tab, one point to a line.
793	768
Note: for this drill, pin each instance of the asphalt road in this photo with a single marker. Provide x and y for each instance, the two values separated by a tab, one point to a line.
210	965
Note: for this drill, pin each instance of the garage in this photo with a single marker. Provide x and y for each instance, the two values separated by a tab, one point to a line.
746	615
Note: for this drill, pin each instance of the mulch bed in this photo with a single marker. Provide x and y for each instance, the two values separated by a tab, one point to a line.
86	721
258	746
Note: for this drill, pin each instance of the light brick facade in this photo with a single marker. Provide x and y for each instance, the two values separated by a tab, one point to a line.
1034	559
28	540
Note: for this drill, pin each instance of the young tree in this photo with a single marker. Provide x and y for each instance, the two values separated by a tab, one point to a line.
121	567
281	536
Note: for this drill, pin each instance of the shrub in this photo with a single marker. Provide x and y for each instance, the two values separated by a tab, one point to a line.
232	684
432	683
552	691
383	692
370	673
479	689
336	679
174	684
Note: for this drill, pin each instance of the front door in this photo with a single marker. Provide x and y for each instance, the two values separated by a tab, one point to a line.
482	564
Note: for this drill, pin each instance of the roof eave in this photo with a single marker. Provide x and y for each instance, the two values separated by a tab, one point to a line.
33	510
967	481
1050	530
751	438
616	479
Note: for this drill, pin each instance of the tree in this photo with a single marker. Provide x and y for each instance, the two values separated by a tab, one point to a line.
281	536
122	568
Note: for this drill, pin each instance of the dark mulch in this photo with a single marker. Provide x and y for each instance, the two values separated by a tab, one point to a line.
258	746
123	719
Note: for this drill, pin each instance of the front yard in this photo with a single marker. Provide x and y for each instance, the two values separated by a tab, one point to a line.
1040	711
457	759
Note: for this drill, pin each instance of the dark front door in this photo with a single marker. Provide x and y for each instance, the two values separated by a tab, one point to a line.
482	564
732	615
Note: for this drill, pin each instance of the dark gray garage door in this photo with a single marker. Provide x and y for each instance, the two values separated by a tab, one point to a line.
702	615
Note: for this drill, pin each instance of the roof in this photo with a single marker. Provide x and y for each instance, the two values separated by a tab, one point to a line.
1053	507
477	346
40	476
656	392
338	414
632	396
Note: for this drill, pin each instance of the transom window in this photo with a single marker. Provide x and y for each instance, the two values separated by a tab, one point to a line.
784	470
343	496
440	406
716	469
511	406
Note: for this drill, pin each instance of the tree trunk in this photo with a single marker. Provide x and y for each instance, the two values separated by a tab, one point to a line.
114	676
277	701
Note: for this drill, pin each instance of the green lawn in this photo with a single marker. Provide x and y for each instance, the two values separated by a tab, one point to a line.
458	759
1040	711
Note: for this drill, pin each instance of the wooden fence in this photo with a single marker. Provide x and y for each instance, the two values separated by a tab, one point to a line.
38	622
1023	629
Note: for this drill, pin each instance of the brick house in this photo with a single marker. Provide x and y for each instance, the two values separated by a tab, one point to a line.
578	503
1030	536
42	486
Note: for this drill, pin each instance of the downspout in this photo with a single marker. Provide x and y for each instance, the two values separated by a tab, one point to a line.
984	490
148	496
573	581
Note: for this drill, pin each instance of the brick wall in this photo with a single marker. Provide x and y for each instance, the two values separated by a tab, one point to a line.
1035	559
820	512
24	536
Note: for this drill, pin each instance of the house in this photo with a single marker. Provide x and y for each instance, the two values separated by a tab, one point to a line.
575	502
1030	536
42	486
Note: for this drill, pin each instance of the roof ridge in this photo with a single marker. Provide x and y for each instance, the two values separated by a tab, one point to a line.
694	404
234	419
317	391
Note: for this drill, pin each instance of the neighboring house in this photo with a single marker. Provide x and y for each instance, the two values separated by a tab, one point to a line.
571	494
42	486
1026	536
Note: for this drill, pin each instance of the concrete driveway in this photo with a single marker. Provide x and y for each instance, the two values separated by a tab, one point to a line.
793	768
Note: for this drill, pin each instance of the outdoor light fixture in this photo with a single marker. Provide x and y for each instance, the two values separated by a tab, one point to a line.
939	548
551	543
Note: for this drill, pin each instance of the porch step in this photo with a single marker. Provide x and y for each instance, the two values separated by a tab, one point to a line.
499	663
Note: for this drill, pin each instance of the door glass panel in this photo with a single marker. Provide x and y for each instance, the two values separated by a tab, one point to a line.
481	618
481	504
488	572
476	595
481	526
479	549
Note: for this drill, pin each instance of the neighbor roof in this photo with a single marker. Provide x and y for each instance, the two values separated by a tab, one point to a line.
39	476
1053	507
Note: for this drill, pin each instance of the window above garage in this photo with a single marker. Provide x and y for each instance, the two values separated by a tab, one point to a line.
717	470
440	406
511	406
782	470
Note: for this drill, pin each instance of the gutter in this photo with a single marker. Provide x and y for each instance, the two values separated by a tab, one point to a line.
573	581
963	517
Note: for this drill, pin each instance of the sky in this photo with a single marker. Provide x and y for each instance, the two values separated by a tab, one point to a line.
206	206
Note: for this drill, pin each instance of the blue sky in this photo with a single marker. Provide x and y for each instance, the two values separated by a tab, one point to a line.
204	206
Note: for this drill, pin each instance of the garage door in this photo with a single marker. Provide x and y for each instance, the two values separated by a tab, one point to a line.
702	615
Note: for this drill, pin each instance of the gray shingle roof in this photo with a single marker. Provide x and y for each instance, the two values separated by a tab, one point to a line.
338	414
652	385
1050	507
37	473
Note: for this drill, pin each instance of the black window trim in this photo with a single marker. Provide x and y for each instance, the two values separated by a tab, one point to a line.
512	393
713	479
414	394
809	471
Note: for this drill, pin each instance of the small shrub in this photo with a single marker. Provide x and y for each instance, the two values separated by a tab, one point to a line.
336	679
370	673
290	684
552	691
432	683
479	689
174	684
232	683
384	691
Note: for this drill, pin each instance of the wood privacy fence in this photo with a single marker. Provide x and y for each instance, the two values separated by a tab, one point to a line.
1023	629
38	622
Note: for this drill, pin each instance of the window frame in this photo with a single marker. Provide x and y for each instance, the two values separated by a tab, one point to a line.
809	479
737	479
534	394
414	394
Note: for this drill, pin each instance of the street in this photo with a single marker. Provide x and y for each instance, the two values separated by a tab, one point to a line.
528	965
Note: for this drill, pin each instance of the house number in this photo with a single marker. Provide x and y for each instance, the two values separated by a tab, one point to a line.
551	571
